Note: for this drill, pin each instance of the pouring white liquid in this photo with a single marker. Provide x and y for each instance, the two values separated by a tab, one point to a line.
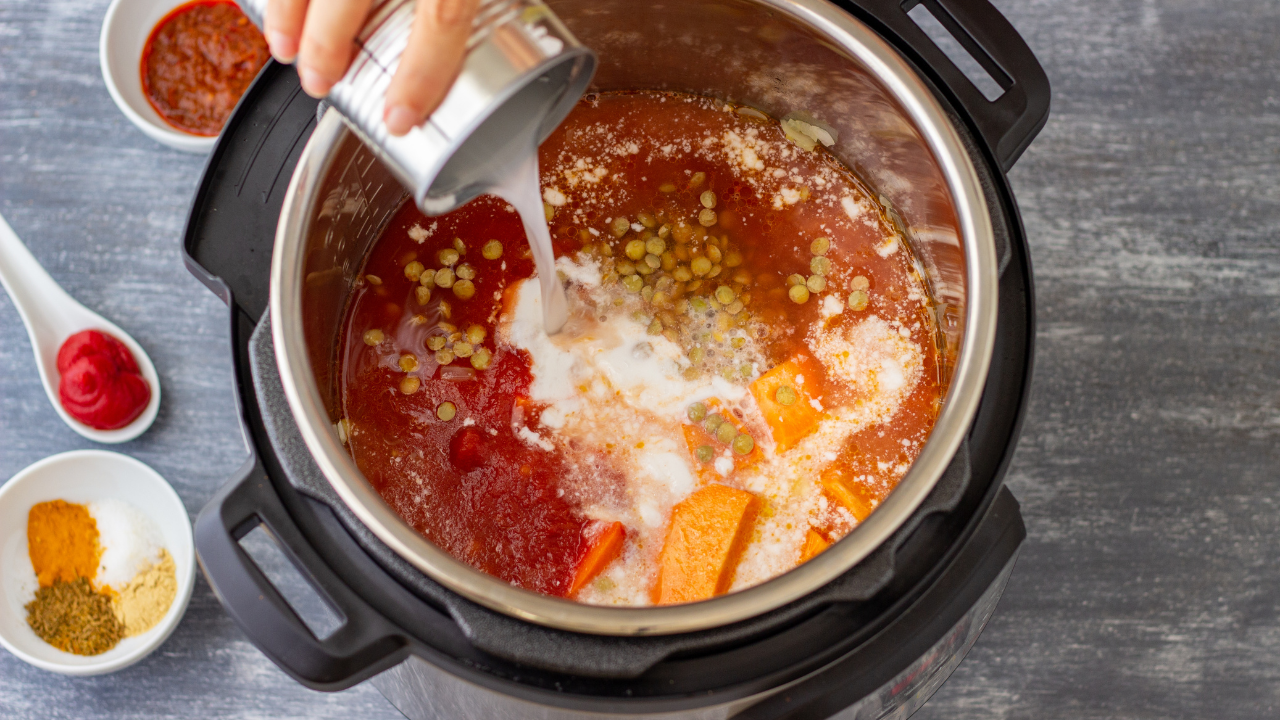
520	187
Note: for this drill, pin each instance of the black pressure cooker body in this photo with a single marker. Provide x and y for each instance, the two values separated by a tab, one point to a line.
880	639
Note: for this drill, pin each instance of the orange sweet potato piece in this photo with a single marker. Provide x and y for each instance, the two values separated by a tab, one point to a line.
789	424
849	495
814	544
708	532
604	549
695	437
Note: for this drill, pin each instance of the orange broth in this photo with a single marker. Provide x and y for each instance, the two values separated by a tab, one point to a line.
453	440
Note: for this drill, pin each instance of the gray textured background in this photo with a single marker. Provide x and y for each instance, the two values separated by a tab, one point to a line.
1147	587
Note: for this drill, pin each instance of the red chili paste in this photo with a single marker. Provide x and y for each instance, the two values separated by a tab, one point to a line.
101	385
197	63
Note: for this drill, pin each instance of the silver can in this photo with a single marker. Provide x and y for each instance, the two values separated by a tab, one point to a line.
522	74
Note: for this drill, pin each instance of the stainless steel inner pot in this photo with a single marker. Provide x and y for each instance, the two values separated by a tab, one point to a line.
780	56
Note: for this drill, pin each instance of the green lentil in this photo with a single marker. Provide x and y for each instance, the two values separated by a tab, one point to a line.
700	266
480	358
743	444
422	294
707	217
820	246
793	280
697	411
475	334
620	226
655	245
436	343
798	293
635	249
444	278
704	453
858	300
492	250
725	294
696	355
860	282
373	337
699	305
653	261
682	274
713	423
633	283
624	267
708	199
446	411
448	257
734	307
465	271
785	395
413	271
820	265
444	357
463	349
697	179
464	289
726	432
428	278
460	246
655	327
816	283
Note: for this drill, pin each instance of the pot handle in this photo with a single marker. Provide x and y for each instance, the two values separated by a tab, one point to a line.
363	646
1011	121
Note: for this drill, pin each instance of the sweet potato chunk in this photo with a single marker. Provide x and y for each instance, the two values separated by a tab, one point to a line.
604	549
849	495
814	544
789	424
704	543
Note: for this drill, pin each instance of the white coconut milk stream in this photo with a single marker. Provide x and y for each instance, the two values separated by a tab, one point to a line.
520	187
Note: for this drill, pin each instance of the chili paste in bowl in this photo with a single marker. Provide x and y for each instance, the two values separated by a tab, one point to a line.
750	365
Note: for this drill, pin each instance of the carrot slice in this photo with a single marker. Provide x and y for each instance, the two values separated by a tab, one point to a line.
850	495
708	532
789	424
604	550
814	544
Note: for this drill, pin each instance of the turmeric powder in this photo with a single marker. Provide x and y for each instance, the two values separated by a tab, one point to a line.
62	539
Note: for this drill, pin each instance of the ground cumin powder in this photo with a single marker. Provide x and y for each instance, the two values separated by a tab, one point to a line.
143	602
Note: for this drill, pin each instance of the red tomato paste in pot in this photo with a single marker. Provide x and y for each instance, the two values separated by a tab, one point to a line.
197	63
100	384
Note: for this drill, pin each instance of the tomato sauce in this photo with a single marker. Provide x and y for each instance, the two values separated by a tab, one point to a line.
100	383
198	61
475	483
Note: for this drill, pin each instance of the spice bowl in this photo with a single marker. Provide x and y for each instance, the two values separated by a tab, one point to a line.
85	476
125	29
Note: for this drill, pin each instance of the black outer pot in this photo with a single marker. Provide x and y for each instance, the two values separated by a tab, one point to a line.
847	642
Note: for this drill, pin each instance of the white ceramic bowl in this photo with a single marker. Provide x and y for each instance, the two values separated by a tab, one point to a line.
83	476
125	30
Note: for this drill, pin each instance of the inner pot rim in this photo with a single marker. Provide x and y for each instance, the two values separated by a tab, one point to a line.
960	405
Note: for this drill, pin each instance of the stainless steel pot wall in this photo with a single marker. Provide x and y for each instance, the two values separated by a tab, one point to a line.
778	55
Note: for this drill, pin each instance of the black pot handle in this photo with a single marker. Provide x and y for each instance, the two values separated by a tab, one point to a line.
363	646
1007	124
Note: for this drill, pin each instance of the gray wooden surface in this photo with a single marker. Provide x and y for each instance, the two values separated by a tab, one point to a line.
1148	586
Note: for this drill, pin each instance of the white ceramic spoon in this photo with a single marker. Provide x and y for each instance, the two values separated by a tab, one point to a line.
52	316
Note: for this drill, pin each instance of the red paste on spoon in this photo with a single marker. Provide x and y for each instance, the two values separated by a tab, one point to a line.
100	386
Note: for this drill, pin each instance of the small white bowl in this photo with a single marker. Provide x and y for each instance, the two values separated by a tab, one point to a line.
83	476
125	30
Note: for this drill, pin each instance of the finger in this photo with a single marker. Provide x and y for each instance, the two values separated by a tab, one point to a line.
283	27
327	45
430	62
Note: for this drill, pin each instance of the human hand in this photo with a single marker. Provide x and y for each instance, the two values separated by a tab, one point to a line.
320	36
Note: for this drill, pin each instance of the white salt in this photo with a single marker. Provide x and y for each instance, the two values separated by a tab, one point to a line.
128	539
